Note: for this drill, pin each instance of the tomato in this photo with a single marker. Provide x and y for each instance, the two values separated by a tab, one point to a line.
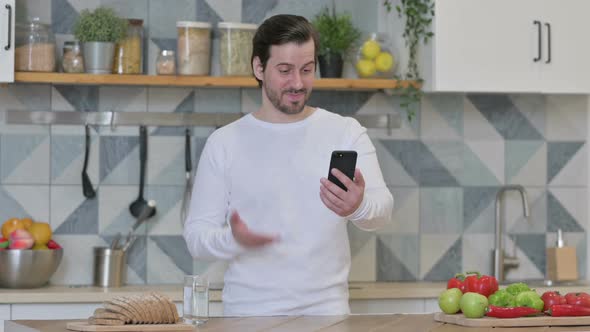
581	299
552	297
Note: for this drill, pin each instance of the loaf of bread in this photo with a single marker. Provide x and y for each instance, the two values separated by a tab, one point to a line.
148	308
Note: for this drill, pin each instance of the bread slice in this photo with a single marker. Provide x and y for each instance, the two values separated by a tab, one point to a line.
114	307
104	313
172	308
125	303
146	302
136	305
156	308
104	321
161	308
168	317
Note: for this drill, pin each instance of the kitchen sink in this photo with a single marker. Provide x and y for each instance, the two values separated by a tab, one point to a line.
549	283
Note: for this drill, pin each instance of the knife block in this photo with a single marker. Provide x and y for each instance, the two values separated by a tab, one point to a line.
562	263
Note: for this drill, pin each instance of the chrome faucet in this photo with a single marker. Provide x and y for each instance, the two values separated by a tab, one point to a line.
502	261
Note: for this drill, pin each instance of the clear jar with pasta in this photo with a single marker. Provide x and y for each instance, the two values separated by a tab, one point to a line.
193	48
129	51
235	45
35	47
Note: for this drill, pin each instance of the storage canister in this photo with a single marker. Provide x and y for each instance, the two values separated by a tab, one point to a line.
72	59
35	47
194	47
236	48
129	51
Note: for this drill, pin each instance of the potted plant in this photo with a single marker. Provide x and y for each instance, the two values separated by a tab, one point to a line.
337	36
98	31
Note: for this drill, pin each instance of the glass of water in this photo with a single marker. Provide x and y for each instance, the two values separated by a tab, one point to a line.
196	299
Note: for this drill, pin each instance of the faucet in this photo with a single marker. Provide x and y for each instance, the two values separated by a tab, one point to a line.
502	261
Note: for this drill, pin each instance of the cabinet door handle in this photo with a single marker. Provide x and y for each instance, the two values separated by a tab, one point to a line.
548	42
538	24
7	47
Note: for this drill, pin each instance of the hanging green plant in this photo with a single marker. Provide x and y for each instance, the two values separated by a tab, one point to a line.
418	17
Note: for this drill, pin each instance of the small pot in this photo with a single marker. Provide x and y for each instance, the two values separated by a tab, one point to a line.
331	65
98	57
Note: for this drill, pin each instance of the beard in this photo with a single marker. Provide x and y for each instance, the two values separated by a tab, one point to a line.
288	108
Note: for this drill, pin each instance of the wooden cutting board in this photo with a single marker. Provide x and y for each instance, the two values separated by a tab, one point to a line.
459	319
84	326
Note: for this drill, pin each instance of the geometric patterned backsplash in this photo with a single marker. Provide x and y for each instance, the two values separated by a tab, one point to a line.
443	168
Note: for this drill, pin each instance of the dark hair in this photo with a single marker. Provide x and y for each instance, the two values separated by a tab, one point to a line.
279	30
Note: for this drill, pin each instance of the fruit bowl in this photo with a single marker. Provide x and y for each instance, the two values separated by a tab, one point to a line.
28	268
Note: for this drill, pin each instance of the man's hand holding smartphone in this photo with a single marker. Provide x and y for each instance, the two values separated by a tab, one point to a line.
343	201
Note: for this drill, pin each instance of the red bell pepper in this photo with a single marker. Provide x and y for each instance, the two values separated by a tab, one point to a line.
512	312
552	297
457	282
581	299
567	310
484	285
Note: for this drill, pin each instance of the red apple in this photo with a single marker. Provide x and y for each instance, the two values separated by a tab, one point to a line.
20	239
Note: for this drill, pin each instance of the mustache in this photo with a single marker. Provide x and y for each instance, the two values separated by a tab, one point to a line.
295	91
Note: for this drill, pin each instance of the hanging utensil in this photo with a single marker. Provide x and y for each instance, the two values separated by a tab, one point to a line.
140	203
87	188
188	166
115	242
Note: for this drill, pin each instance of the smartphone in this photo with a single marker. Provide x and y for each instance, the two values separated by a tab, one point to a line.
345	161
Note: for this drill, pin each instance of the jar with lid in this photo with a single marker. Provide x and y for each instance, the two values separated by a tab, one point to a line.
72	59
235	45
194	47
35	47
129	51
166	63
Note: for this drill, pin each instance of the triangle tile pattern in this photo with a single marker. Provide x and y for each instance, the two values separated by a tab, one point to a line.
533	245
533	107
207	14
166	43
114	149
171	246
475	201
64	150
475	171
343	103
82	98
84	219
393	172
537	222
491	154
63	16
187	105
504	116
420	163
15	150
137	257
450	108
518	154
254	11
448	264
397	257
558	217
558	155
9	206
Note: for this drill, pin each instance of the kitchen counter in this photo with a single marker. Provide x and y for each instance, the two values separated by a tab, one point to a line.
404	323
358	291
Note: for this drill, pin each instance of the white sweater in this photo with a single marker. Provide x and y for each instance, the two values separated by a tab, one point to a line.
270	174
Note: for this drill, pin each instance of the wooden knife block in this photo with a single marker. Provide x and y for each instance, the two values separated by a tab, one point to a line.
562	263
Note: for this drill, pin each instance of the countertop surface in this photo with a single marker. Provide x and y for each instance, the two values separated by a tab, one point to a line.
358	291
414	323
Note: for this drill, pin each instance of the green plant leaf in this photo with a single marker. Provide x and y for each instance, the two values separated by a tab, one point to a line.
100	25
337	32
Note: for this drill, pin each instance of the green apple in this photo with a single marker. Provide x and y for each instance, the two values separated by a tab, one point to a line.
448	301
473	305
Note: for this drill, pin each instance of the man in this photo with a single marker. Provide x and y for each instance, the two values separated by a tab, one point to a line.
265	175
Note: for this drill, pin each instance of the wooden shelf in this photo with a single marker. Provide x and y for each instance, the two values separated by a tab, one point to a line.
197	81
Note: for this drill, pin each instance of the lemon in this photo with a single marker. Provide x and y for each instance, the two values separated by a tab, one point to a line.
370	49
365	68
384	62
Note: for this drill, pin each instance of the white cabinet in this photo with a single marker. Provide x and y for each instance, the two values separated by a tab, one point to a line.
7	40
508	46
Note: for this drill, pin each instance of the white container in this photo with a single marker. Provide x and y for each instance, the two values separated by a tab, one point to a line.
236	48
194	47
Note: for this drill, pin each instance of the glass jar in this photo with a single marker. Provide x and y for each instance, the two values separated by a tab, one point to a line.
35	47
375	58
72	59
166	63
129	51
194	47
235	45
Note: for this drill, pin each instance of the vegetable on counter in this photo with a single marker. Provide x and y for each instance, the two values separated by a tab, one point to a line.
481	284
513	312
581	299
552	297
517	288
502	298
568	310
530	299
457	282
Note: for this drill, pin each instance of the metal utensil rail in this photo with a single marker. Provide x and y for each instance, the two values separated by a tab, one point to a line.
110	118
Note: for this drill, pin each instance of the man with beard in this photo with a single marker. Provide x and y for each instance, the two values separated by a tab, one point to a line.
261	199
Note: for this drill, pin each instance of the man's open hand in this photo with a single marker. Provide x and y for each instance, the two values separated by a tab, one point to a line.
244	236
